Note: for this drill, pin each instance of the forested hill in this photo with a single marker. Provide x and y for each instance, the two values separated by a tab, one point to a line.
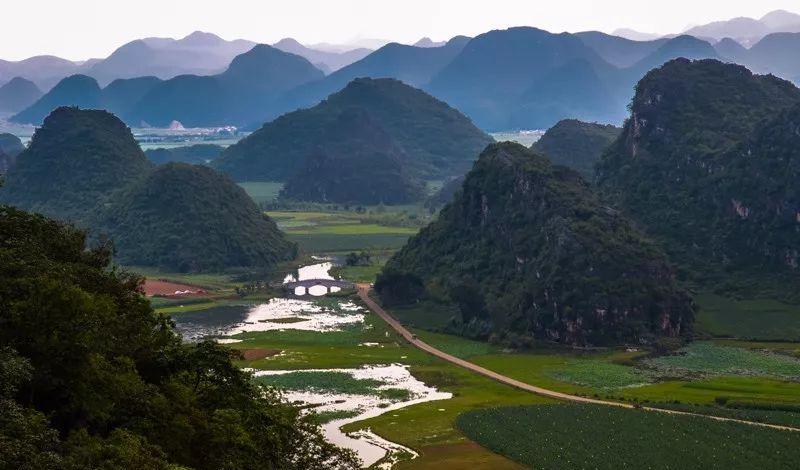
84	166
527	249
438	140
93	378
190	218
708	163
358	164
10	147
74	162
578	145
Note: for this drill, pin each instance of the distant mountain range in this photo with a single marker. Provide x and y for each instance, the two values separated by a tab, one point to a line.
748	31
18	94
327	61
518	78
240	95
199	53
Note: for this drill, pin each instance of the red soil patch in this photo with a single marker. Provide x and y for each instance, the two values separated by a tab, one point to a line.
258	353
153	287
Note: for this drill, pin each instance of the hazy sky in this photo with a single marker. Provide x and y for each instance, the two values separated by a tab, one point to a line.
80	29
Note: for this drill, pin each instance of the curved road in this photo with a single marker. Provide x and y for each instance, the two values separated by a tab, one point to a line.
363	293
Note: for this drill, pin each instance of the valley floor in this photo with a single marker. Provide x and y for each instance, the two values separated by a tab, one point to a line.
741	379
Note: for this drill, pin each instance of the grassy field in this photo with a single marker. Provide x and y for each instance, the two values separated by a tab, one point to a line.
706	359
586	436
760	373
342	231
359	273
428	428
747	319
211	281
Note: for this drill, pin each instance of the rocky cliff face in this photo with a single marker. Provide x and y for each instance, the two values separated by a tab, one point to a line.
527	248
708	163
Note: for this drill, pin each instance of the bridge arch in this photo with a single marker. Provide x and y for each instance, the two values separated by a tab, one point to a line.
316	287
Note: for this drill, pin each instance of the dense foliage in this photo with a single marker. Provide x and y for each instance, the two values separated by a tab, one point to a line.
73	164
10	147
191	218
438	140
357	164
589	436
708	162
577	145
445	194
91	377
527	248
242	95
85	166
195	154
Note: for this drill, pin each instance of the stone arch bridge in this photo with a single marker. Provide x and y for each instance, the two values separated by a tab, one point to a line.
301	288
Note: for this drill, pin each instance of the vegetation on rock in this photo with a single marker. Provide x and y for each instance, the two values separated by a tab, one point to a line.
85	166
437	139
527	248
10	147
190	218
356	163
577	145
708	163
73	164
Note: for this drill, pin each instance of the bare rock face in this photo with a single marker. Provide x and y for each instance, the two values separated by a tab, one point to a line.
528	249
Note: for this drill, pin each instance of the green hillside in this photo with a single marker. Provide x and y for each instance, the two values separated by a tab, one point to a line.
358	164
576	144
527	249
708	163
186	218
73	164
438	140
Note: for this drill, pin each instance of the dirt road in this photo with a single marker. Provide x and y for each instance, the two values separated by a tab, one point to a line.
363	293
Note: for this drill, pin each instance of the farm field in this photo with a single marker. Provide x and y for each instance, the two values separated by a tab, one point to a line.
753	376
427	428
588	436
342	231
768	320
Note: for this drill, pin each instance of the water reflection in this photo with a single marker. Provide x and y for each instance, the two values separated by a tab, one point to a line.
194	326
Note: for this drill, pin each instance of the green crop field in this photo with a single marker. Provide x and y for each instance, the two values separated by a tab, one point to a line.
785	418
600	375
705	359
587	436
747	319
342	231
